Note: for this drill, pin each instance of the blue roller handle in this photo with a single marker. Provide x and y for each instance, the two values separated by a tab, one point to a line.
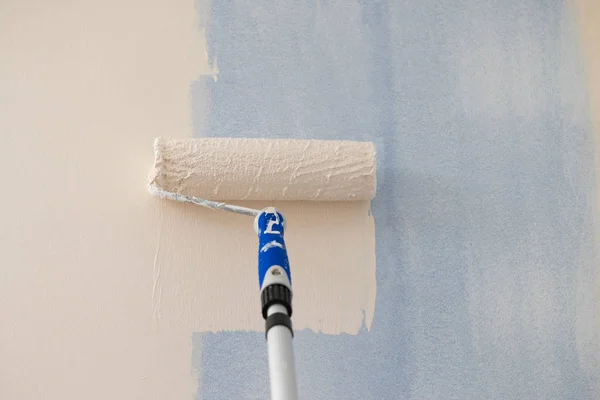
270	226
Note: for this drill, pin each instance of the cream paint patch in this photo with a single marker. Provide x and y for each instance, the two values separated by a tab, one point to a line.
102	283
210	282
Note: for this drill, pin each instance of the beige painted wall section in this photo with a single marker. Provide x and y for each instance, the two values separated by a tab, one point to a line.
102	285
85	86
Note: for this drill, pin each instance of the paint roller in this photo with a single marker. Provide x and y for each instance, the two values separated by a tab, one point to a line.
211	172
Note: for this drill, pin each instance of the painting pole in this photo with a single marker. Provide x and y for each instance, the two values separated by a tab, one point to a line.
275	283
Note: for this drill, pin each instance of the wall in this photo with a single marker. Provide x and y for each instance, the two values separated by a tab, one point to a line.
483	114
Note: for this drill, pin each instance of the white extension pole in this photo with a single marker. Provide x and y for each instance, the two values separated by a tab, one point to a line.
282	373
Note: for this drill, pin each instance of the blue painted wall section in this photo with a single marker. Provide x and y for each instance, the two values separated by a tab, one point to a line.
484	223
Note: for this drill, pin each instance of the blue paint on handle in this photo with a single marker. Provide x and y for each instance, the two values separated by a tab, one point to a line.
270	226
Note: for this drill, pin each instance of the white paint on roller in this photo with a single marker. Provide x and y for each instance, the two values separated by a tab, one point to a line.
265	169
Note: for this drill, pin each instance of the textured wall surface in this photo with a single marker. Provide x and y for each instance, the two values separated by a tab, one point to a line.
483	114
